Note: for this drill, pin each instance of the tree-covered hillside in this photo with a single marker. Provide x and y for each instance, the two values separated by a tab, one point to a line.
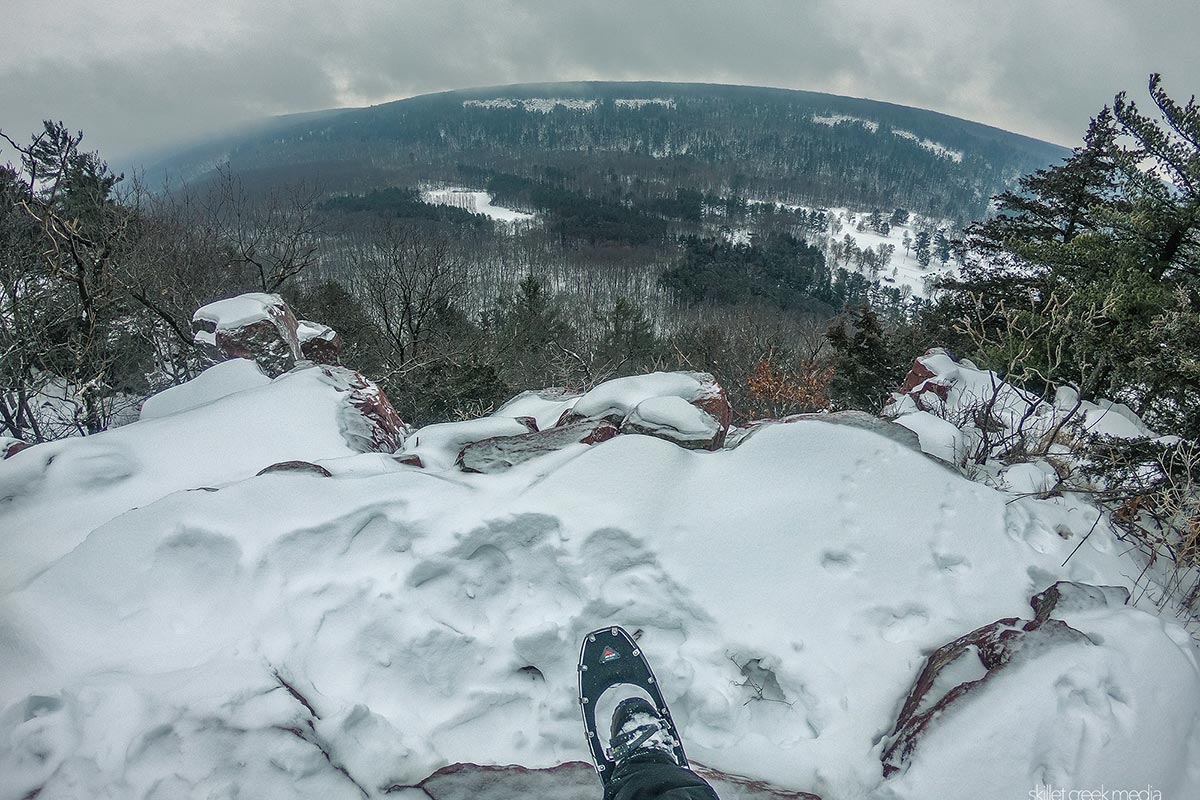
646	141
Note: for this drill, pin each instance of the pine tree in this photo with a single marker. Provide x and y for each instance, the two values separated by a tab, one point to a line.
922	246
941	246
863	372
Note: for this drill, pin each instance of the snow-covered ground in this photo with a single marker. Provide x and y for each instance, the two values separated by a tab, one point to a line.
545	105
476	202
930	145
902	270
172	625
540	104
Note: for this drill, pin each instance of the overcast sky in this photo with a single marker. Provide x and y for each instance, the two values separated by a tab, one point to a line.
142	74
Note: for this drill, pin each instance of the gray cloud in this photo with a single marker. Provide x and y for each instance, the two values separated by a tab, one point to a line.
137	78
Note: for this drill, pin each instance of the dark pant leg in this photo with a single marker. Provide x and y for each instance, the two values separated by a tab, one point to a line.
655	776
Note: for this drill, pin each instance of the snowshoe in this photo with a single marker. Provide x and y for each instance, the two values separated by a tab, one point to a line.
611	659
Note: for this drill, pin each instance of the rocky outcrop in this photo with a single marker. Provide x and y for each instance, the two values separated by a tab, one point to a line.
367	419
256	326
261	328
319	343
296	468
10	447
955	671
502	452
926	386
642	404
440	446
1067	596
676	420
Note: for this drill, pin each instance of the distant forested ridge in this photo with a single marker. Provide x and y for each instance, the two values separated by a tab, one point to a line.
644	143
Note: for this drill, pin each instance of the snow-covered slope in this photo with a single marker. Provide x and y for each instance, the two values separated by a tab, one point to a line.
290	635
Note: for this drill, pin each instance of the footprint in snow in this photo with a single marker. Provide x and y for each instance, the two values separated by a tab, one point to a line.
840	562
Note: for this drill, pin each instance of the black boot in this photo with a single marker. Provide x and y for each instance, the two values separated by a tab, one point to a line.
639	730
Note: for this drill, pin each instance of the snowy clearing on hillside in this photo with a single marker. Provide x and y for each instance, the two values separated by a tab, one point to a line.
639	102
540	104
183	627
547	104
931	146
476	202
904	269
835	119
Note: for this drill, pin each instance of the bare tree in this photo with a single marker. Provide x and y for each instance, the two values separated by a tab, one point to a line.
407	277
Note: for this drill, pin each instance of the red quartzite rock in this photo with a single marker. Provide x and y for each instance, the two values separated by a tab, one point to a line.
995	646
10	447
921	381
368	421
319	343
259	327
501	452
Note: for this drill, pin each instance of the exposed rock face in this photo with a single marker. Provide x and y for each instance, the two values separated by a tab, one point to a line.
368	421
981	653
319	343
10	447
927	389
296	468
256	326
501	452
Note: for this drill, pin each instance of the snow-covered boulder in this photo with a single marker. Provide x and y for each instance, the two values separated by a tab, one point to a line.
1065	597
219	380
938	437
319	343
618	399
498	453
256	326
676	420
547	406
995	418
295	468
438	446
